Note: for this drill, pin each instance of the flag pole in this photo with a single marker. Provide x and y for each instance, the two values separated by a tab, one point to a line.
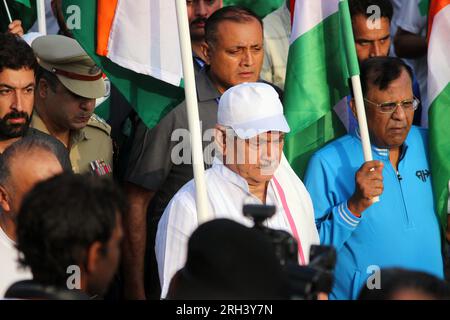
7	11
192	111
42	28
353	66
362	120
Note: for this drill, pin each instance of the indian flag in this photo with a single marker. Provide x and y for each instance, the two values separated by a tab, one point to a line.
439	94
136	44
317	86
142	36
261	8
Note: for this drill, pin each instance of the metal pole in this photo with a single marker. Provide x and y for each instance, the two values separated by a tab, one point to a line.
7	11
362	121
192	111
41	16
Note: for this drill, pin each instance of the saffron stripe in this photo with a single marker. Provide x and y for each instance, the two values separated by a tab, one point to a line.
105	16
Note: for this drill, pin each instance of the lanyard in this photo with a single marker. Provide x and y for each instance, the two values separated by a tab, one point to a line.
291	220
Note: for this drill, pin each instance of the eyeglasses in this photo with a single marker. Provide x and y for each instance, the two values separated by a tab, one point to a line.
391	107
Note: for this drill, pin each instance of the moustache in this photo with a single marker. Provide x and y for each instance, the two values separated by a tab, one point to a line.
265	164
198	20
267	168
16	115
85	115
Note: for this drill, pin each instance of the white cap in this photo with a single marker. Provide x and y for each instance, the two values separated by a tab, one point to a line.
251	109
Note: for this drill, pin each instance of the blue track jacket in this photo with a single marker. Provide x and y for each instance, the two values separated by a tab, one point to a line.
401	230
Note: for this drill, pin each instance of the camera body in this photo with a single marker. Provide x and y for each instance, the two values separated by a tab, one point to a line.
305	282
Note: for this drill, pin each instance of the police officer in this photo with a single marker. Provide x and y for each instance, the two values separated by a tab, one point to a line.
68	83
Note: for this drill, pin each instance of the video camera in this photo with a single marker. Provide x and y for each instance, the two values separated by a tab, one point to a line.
305	282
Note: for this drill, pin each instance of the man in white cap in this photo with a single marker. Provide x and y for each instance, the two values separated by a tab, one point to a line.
68	83
249	168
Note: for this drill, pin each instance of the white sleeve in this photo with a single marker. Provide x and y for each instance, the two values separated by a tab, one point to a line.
410	19
177	223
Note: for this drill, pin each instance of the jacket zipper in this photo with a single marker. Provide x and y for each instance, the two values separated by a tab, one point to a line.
399	180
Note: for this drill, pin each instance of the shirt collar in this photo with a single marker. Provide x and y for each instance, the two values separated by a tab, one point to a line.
233	177
78	135
37	123
230	175
205	88
199	61
75	136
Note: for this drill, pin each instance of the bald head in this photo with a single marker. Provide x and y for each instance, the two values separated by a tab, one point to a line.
39	165
22	165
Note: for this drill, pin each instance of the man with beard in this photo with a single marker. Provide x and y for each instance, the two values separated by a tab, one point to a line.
17	84
68	82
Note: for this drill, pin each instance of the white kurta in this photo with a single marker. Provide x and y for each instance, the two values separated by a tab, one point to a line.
227	193
10	271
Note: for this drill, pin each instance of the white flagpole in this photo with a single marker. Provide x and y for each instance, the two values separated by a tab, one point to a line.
7	11
192	111
42	26
362	122
357	89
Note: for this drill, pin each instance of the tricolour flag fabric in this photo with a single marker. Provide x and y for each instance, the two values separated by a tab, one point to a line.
317	84
135	43
439	95
26	3
142	36
260	7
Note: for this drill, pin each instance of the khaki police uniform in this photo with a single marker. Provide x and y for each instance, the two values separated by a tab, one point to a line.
90	148
92	144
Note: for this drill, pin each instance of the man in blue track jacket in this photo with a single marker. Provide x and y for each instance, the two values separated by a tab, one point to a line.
402	229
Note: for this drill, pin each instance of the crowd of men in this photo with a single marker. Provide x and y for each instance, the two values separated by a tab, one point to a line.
78	222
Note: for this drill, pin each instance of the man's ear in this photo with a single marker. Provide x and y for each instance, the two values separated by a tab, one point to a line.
220	139
206	50
353	107
42	88
4	200
93	256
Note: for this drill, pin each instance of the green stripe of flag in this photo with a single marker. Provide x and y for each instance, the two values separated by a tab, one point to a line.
349	41
26	3
150	97
316	81
439	116
260	7
317	73
299	147
424	6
